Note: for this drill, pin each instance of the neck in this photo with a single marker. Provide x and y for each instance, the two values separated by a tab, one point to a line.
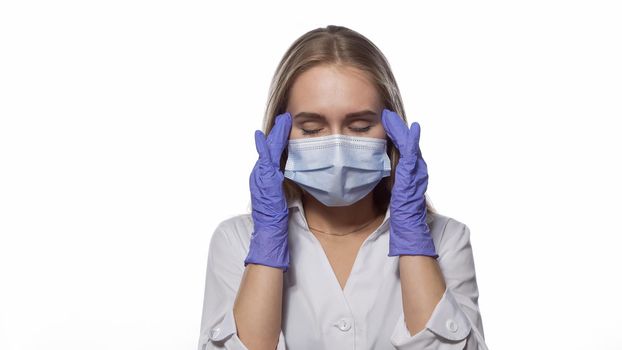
340	221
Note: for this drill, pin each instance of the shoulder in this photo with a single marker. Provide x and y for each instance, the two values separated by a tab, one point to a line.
228	247
448	232
233	232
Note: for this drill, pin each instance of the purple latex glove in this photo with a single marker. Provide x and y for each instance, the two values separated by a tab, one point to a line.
409	232
269	245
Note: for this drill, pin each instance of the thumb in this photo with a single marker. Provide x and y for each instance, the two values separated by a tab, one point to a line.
277	138
413	138
396	128
262	147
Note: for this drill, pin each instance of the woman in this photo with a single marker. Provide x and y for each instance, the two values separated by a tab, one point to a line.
341	249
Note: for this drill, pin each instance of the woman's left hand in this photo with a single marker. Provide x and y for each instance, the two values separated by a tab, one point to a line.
409	232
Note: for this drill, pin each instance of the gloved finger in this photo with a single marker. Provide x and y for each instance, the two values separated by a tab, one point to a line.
413	138
396	129
262	147
277	138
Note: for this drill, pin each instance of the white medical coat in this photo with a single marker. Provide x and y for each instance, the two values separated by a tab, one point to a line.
367	313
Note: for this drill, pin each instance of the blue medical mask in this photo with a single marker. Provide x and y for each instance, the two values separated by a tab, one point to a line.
338	170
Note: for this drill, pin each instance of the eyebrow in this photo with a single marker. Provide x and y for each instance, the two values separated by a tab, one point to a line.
349	115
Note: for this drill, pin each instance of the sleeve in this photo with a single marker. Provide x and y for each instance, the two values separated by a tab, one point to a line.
456	322
225	267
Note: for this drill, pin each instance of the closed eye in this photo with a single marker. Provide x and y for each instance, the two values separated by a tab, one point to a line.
315	131
309	132
365	129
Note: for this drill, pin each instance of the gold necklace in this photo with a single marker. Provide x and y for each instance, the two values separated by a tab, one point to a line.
347	233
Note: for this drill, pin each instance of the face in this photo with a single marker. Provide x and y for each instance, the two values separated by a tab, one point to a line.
329	100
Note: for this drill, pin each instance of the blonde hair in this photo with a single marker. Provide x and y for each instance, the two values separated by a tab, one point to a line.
339	46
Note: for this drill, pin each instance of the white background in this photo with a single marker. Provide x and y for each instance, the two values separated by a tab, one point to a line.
126	136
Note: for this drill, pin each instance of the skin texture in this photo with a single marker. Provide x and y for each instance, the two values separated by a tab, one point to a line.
258	306
333	92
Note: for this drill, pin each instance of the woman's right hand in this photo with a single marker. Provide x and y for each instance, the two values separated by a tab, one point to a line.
269	240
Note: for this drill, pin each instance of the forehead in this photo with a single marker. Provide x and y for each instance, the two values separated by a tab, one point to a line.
332	90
